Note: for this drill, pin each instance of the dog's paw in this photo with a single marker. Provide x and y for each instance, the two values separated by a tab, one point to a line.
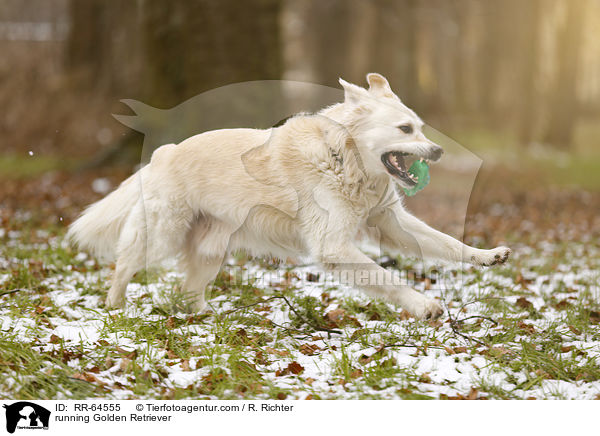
196	307
114	303
422	307
495	256
433	310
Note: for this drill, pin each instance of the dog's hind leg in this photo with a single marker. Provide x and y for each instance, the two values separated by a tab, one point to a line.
203	252
131	257
200	271
125	268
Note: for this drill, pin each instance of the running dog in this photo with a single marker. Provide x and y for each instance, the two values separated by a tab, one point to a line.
305	188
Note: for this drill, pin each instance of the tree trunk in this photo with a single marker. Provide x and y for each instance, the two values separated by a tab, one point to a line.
563	100
195	46
102	45
86	43
530	37
329	26
394	51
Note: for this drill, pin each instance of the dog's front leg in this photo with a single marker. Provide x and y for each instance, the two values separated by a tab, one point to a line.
356	269
403	233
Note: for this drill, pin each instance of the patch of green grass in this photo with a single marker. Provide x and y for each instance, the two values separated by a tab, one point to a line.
253	344
21	277
147	276
13	165
376	310
574	171
493	390
37	375
308	309
577	166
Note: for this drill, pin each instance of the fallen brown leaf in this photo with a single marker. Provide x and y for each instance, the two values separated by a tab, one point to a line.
527	328
356	373
524	303
295	368
562	305
309	349
185	364
473	394
280	353
336	315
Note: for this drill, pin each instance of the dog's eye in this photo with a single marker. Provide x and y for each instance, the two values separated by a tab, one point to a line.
406	128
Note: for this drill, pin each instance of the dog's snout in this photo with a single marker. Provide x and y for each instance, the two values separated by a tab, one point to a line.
436	153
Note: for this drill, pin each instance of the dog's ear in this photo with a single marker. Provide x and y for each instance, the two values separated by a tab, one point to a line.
352	93
379	85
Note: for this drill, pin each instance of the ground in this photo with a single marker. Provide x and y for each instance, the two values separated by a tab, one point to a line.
527	329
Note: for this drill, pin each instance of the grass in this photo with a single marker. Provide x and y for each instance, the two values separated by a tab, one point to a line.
515	331
577	166
16	165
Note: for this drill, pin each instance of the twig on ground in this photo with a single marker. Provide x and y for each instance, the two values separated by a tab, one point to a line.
237	309
316	327
293	309
406	345
476	316
455	323
11	292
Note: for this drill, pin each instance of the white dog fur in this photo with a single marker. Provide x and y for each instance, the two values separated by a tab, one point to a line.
307	187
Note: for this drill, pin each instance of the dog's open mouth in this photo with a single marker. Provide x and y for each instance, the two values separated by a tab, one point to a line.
396	166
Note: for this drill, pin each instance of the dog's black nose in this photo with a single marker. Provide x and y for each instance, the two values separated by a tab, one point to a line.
436	153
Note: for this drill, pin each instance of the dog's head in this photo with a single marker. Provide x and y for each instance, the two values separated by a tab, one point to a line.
385	130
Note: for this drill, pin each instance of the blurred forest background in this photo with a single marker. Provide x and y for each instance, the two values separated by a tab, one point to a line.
516	81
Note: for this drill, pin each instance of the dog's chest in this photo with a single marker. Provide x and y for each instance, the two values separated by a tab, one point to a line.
372	193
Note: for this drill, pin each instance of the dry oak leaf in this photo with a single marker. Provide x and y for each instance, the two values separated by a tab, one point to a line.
527	328
524	303
356	373
563	305
90	378
339	317
128	354
295	368
185	365
309	349
473	394
336	315
280	353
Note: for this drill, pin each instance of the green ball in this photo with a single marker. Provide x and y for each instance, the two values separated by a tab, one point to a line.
420	170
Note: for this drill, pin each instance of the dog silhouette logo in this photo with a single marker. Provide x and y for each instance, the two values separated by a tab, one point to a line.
26	415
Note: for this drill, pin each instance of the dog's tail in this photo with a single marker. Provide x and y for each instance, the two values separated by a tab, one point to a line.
98	228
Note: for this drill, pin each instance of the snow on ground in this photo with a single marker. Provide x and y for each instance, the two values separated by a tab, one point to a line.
505	347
